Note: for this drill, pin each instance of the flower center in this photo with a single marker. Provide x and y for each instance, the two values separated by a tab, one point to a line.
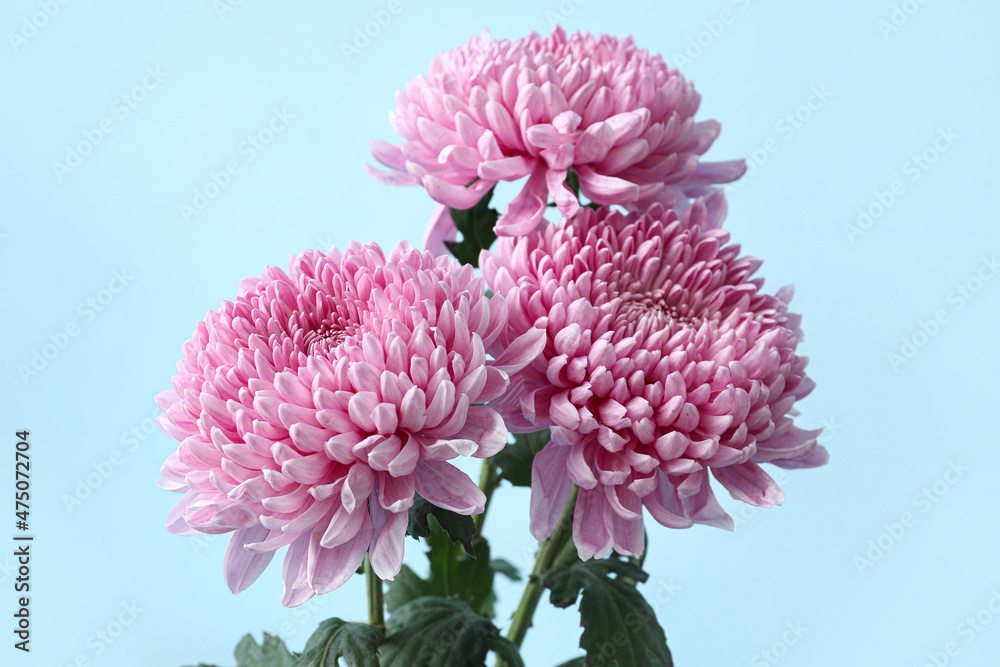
651	311
325	339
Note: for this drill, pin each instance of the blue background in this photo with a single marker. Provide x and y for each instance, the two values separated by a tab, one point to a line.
895	426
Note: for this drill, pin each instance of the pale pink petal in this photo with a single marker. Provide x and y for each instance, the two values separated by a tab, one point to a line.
441	228
550	489
329	569
592	531
484	426
455	196
564	197
242	567
606	189
507	169
748	482
527	210
448	487
293	573
718	172
521	351
343	527
390	177
387	545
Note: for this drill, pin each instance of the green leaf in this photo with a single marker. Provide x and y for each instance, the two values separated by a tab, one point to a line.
575	662
506	649
467	578
356	643
459	528
272	653
435	632
619	627
506	568
515	459
453	573
406	587
476	225
573	182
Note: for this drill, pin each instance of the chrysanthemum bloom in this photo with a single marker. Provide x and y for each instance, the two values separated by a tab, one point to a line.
664	360
312	408
496	110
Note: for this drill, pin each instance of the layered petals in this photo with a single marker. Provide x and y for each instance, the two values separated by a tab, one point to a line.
664	361
313	408
539	107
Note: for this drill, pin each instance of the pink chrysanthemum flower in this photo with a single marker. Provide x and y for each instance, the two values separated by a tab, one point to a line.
312	408
493	111
664	360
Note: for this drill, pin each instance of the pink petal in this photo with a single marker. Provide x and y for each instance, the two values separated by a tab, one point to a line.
629	536
485	427
386	550
293	573
749	483
578	468
527	210
793	444
343	526
441	228
456	196
564	197
629	124
329	569
508	168
359	483
175	519
606	190
390	155
395	494
710	173
594	144
448	487
521	351
390	177
242	567
592	525
550	489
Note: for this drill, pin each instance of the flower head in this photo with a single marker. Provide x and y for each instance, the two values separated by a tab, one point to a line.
664	360
313	407
537	107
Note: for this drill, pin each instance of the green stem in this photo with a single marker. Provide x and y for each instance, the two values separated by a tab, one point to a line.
547	554
489	480
376	597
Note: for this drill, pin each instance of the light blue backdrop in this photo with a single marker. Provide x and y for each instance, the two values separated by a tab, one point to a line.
878	559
